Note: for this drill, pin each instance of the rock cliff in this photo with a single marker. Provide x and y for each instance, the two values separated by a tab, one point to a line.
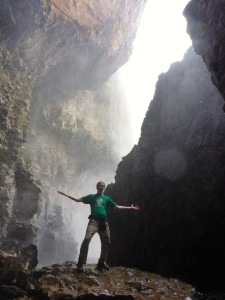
206	27
175	174
57	112
73	44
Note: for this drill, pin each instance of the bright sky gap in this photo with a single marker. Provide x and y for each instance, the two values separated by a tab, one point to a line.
161	40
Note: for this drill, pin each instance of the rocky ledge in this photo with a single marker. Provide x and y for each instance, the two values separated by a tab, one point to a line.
19	280
117	283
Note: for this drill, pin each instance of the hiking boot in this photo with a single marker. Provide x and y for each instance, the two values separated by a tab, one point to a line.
80	267
102	266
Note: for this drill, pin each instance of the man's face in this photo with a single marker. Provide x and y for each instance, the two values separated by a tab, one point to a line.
100	187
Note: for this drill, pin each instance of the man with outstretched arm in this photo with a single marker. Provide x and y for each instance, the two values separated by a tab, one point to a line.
97	224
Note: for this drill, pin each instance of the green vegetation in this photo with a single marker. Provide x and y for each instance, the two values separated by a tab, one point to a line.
15	92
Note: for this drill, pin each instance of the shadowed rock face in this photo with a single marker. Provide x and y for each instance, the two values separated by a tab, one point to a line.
206	20
175	174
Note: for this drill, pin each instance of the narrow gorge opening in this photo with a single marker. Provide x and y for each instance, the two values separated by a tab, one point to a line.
57	126
75	126
161	39
75	110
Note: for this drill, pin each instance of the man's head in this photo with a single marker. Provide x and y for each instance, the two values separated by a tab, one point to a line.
100	186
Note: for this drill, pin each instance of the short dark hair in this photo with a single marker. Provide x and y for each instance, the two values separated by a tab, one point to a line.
100	183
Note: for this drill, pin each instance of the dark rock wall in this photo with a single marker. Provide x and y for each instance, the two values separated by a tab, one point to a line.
175	174
206	22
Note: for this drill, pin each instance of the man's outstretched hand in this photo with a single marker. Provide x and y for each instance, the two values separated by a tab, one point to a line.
136	207
61	193
71	197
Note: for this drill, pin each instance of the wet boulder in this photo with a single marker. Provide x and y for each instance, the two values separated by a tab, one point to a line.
16	268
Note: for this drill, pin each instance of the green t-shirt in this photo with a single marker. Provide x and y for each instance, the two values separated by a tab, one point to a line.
98	204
